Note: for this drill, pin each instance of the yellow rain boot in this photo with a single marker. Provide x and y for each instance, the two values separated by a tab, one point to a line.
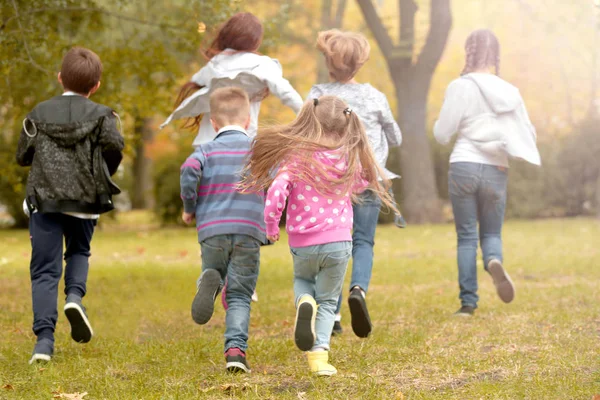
304	330
318	361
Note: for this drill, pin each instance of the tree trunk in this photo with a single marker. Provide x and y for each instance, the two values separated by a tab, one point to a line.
421	202
412	79
329	20
142	196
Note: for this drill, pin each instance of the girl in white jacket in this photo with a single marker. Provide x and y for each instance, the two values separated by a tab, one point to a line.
234	61
491	121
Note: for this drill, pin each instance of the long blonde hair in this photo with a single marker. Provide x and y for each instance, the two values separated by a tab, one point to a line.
323	124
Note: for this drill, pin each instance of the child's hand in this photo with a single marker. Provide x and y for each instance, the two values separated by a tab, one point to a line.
273	238
187	217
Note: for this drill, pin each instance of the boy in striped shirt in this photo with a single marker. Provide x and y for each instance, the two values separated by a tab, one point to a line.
230	224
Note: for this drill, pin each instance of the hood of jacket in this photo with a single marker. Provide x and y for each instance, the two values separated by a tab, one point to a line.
501	96
67	120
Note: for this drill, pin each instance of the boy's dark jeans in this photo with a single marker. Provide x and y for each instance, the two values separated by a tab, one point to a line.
47	232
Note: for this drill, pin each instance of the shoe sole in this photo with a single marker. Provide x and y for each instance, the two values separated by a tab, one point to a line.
38	357
463	315
361	322
326	373
203	305
304	333
81	330
235	367
504	285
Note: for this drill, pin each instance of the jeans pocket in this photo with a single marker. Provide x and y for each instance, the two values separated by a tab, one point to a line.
461	185
213	255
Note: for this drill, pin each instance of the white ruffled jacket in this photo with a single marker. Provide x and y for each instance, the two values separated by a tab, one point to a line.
252	72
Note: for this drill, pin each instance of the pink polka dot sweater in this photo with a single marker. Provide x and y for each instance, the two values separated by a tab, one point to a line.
312	218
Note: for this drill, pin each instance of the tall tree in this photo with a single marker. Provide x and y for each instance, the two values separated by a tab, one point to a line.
412	75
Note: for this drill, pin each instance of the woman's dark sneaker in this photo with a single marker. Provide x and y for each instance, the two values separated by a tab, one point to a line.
465	311
337	328
43	351
209	287
81	329
361	322
504	285
236	360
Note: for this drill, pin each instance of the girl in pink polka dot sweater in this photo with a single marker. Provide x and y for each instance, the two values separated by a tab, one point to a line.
320	163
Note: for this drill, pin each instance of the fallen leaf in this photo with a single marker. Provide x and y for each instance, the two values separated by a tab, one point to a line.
302	396
399	396
141	250
596	397
8	386
71	396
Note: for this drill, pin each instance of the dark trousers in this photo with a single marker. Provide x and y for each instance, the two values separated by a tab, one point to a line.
47	232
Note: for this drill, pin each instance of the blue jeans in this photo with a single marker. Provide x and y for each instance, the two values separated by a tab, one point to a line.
366	215
237	258
319	271
478	194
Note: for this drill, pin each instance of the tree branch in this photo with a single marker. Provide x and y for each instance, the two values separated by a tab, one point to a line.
440	23
98	10
408	9
339	15
376	26
25	43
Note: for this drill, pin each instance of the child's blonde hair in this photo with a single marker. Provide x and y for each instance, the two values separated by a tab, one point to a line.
229	106
326	123
345	53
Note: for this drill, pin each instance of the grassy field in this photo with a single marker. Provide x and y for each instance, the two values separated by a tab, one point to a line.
545	345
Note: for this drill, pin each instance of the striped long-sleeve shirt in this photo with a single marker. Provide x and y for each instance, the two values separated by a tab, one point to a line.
209	178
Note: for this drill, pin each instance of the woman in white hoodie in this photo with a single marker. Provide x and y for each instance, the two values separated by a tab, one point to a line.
490	118
234	61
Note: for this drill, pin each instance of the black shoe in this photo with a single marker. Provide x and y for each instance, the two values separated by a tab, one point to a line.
81	330
203	305
465	311
43	351
361	322
337	329
236	361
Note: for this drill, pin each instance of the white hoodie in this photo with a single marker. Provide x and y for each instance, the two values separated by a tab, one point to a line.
491	120
252	72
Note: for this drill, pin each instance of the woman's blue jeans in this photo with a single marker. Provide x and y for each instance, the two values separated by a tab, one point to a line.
478	195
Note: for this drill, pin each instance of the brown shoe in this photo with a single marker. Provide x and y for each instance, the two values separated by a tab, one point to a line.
504	285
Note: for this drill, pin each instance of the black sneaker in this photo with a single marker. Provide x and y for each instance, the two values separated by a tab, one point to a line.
43	351
465	311
361	322
209	287
337	328
81	330
236	361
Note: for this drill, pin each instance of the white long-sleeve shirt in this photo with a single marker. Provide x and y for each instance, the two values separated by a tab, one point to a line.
250	71
490	118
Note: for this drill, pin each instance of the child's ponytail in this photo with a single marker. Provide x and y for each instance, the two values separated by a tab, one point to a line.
186	91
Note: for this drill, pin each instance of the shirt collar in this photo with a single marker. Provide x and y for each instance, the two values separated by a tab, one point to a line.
70	93
232	128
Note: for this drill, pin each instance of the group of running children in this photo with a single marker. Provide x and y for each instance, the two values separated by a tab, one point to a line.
326	170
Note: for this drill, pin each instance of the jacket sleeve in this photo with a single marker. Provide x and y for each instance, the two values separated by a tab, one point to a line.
202	77
389	125
272	73
111	142
26	145
450	115
191	172
275	201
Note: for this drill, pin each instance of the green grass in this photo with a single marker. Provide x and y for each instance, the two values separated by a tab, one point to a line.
545	345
